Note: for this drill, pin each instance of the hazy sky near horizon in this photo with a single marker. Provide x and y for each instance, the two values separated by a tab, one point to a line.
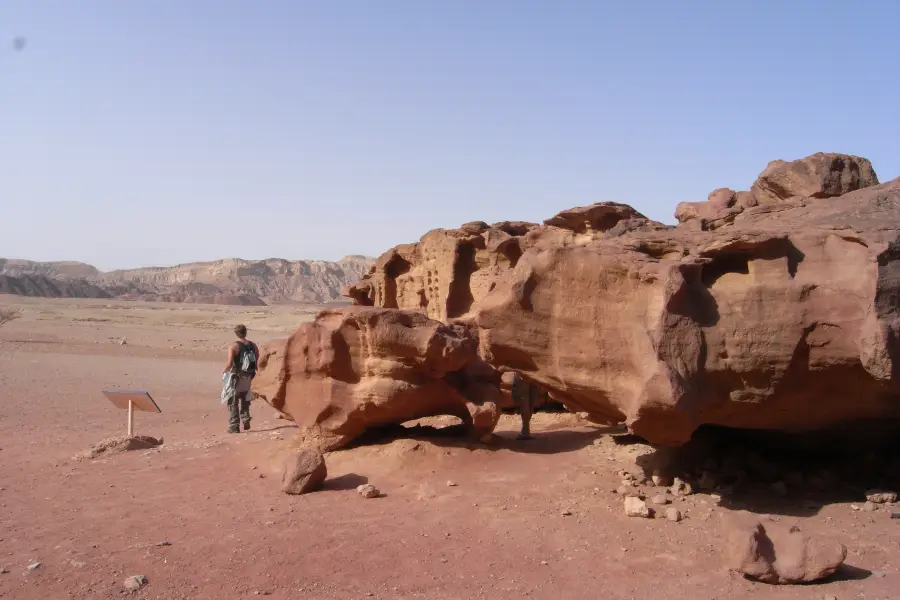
159	132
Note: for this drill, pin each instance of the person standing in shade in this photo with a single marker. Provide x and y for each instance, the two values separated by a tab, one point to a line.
241	368
525	396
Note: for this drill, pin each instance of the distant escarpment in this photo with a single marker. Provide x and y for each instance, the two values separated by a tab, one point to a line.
230	281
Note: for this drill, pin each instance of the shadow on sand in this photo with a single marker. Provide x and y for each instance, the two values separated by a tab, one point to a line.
555	441
347	481
760	472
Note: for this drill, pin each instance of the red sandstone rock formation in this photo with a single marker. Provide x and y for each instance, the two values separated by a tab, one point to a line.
820	175
778	312
356	368
787	319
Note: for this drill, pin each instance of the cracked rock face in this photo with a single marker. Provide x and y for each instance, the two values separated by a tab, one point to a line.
779	312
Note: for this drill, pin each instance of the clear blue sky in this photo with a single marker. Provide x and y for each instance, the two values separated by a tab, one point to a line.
164	131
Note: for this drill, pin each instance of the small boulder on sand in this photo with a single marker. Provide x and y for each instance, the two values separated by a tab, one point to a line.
680	488
367	490
135	582
659	499
303	471
635	507
673	514
773	553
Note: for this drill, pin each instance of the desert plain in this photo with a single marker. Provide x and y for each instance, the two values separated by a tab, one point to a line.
202	516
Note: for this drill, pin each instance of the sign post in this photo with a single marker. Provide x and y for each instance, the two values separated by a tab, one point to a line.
131	400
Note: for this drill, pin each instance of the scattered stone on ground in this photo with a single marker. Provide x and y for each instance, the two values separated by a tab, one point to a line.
34	566
673	514
870	507
115	445
135	582
623	490
661	480
778	554
881	496
635	507
4	571
164	543
680	488
659	499
367	490
451	484
566	512
303	471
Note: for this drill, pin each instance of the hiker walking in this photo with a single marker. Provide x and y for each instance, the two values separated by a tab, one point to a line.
239	372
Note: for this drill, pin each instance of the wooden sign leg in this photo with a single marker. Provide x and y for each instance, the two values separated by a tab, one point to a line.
130	417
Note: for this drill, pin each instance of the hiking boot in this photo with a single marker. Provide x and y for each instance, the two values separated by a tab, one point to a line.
234	431
247	426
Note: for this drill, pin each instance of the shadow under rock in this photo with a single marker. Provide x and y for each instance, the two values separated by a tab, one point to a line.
348	481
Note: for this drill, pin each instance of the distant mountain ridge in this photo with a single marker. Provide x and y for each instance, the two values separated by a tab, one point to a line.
228	281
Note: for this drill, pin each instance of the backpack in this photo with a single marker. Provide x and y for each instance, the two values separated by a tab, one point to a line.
245	361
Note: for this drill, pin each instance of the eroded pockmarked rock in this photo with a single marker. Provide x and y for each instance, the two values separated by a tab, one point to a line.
777	312
359	368
775	553
448	272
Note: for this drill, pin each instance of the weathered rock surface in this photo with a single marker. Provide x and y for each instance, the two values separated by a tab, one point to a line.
784	315
448	272
303	471
751	325
358	368
820	175
774	553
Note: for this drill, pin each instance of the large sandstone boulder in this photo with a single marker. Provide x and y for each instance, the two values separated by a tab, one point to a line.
783	315
786	319
820	175
778	554
358	368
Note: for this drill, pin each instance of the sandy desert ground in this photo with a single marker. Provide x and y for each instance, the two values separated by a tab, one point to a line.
202	516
